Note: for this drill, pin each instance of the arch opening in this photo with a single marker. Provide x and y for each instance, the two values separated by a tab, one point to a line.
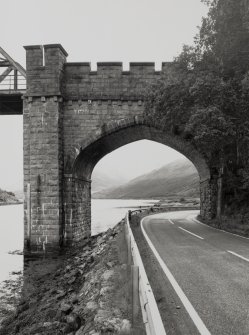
141	173
78	218
91	154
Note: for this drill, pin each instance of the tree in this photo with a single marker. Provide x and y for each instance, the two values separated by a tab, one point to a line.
205	99
224	35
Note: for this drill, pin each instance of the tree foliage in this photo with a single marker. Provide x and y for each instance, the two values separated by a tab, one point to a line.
205	96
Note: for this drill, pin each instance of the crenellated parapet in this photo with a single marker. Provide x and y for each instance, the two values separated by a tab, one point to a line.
110	81
48	74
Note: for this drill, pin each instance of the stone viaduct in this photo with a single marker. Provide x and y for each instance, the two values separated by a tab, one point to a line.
72	118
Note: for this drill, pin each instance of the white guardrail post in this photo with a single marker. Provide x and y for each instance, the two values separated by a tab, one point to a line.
151	316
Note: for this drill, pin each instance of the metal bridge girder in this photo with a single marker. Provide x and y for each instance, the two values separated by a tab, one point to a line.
12	85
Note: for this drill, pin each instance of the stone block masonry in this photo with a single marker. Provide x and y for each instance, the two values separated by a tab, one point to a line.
43	169
72	118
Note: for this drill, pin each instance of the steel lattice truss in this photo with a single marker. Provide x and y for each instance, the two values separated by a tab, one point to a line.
12	74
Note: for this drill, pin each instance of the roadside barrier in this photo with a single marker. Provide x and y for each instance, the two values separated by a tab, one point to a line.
151	316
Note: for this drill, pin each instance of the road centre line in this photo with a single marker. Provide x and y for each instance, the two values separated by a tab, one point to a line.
187	231
170	221
186	303
237	255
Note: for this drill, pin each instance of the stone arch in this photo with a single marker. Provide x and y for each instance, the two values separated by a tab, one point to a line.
116	134
65	100
108	138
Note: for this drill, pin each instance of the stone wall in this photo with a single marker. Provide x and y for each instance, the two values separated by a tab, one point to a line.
43	168
77	209
83	120
43	147
72	118
208	198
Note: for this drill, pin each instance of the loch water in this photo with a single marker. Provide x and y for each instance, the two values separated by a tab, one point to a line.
105	214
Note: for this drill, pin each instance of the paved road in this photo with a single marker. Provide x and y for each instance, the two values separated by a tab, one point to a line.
211	267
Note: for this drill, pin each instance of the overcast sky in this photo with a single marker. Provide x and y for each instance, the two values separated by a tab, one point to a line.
96	30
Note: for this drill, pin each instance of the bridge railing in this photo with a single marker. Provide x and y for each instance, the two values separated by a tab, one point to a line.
151	316
13	82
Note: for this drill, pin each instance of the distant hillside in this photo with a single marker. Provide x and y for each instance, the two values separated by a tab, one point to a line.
102	181
7	198
177	178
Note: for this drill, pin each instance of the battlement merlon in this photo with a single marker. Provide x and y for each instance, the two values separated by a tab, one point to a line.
54	55
44	65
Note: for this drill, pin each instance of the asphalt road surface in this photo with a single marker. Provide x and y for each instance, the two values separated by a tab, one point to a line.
208	269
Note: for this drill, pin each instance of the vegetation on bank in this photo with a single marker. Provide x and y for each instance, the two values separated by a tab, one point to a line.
204	98
8	198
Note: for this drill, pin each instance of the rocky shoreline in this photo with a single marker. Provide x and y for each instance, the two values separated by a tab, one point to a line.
86	291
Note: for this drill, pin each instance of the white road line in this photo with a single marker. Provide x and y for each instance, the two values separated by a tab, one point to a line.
217	229
234	253
187	231
187	304
170	221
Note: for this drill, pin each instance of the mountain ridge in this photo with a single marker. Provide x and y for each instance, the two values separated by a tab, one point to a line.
179	178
